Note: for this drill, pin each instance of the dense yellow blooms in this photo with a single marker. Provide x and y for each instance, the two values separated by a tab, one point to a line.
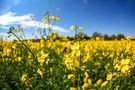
42	57
42	43
124	61
113	58
7	51
71	62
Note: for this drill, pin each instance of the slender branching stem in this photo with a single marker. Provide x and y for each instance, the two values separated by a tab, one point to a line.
24	45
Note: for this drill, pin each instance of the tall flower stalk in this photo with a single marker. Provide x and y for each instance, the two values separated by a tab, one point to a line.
77	38
13	30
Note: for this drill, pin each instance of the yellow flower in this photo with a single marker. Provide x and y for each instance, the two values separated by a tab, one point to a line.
19	59
25	79
71	62
85	86
85	80
39	72
109	76
86	74
83	67
42	43
7	51
53	18
43	58
78	53
125	61
73	27
71	76
44	20
124	68
104	84
51	69
73	88
89	81
98	82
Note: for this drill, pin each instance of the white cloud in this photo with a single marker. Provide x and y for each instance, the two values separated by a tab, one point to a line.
11	19
4	27
41	25
4	34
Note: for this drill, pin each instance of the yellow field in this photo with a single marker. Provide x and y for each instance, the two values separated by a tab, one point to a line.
74	65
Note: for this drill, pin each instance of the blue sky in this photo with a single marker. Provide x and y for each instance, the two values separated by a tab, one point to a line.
104	16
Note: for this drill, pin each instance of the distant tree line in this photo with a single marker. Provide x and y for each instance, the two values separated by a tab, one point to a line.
83	36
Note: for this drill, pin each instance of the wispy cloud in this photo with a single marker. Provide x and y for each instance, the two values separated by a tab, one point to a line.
3	34
4	27
11	19
41	25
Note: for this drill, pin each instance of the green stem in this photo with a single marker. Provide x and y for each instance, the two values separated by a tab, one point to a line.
79	82
76	34
24	44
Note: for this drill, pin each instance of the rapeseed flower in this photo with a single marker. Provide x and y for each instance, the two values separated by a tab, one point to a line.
104	84
70	76
73	27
